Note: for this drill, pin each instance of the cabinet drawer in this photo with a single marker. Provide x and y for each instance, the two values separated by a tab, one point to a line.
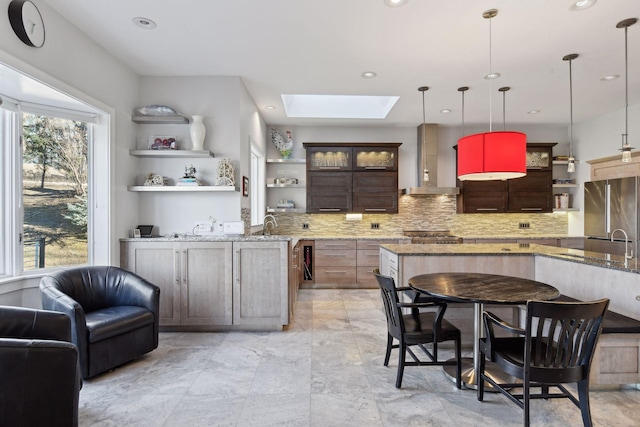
365	277
484	186
335	244
375	244
329	202
335	257
368	258
329	181
335	275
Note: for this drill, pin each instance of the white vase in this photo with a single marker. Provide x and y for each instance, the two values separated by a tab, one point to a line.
197	131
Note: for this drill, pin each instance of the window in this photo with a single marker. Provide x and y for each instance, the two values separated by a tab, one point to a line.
54	191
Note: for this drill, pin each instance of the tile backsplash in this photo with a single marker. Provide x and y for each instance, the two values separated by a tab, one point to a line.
436	212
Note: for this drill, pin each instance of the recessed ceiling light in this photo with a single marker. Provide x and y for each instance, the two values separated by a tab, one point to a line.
445	111
582	4
491	76
611	77
395	3
145	23
533	112
269	107
368	74
338	106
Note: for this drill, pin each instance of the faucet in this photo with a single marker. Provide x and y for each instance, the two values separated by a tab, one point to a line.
268	223
627	255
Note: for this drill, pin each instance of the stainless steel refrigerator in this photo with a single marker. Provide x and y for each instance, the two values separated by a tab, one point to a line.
609	205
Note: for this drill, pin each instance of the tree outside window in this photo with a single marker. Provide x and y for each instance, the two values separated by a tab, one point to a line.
54	192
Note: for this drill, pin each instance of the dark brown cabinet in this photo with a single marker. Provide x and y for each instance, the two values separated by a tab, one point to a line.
352	177
531	193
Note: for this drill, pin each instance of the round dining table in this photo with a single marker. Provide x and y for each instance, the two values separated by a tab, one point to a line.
480	289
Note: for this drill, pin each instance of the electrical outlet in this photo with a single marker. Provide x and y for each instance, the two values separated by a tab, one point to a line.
375	225
305	226
524	225
201	226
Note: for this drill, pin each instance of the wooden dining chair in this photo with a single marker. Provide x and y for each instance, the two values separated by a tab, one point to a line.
555	348
416	328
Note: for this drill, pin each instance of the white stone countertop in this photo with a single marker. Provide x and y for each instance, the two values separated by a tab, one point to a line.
597	259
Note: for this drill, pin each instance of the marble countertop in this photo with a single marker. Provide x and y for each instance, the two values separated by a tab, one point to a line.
179	237
514	249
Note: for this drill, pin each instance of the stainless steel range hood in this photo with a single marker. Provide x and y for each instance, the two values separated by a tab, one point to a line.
427	158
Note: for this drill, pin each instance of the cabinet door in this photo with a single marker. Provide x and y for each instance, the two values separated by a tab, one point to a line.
375	182
530	201
159	263
206	283
375	158
539	157
375	202
480	202
328	158
533	181
260	271
484	186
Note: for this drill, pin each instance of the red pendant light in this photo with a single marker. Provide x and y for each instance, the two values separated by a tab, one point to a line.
492	155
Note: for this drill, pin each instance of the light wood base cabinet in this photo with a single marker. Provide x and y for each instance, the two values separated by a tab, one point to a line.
214	285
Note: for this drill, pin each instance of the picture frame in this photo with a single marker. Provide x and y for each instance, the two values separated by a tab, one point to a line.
163	142
245	186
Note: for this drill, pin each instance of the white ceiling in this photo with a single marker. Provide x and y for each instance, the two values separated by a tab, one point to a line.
323	46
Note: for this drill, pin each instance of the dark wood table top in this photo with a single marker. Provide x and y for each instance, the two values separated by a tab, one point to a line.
483	288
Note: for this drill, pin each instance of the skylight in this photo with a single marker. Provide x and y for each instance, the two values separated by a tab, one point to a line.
338	106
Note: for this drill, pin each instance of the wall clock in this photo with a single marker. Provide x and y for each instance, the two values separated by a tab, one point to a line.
27	22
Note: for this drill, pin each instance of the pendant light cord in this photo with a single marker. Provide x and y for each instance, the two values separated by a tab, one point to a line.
491	78
463	112
626	88
504	114
570	110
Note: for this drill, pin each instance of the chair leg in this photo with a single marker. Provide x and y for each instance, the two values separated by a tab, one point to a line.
389	347
480	385
526	400
458	364
402	349
583	396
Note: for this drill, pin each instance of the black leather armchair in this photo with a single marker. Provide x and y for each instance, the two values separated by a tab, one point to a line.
114	314
40	377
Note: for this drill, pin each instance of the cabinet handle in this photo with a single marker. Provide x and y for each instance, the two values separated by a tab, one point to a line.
176	266
487	209
329	167
237	263
530	209
329	209
184	267
375	167
375	210
336	271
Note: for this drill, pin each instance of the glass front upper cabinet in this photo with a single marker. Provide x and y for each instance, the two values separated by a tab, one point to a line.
375	158
328	158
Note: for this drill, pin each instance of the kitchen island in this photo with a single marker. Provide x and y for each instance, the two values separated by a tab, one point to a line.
576	273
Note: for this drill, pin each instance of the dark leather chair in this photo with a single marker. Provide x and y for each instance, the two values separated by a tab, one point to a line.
40	377
555	348
417	328
114	313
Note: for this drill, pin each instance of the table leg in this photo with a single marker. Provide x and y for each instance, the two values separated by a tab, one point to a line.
470	367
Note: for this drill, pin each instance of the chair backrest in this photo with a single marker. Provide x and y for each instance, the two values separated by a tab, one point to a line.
561	338
395	322
93	287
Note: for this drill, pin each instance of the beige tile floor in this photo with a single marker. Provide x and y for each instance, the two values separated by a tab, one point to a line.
324	370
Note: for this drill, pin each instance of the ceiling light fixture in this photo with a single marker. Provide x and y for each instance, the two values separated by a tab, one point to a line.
626	148
145	23
368	75
533	112
582	4
492	155
395	3
571	161
425	174
445	111
611	77
269	107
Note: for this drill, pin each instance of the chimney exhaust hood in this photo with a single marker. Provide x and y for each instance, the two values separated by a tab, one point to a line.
427	159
